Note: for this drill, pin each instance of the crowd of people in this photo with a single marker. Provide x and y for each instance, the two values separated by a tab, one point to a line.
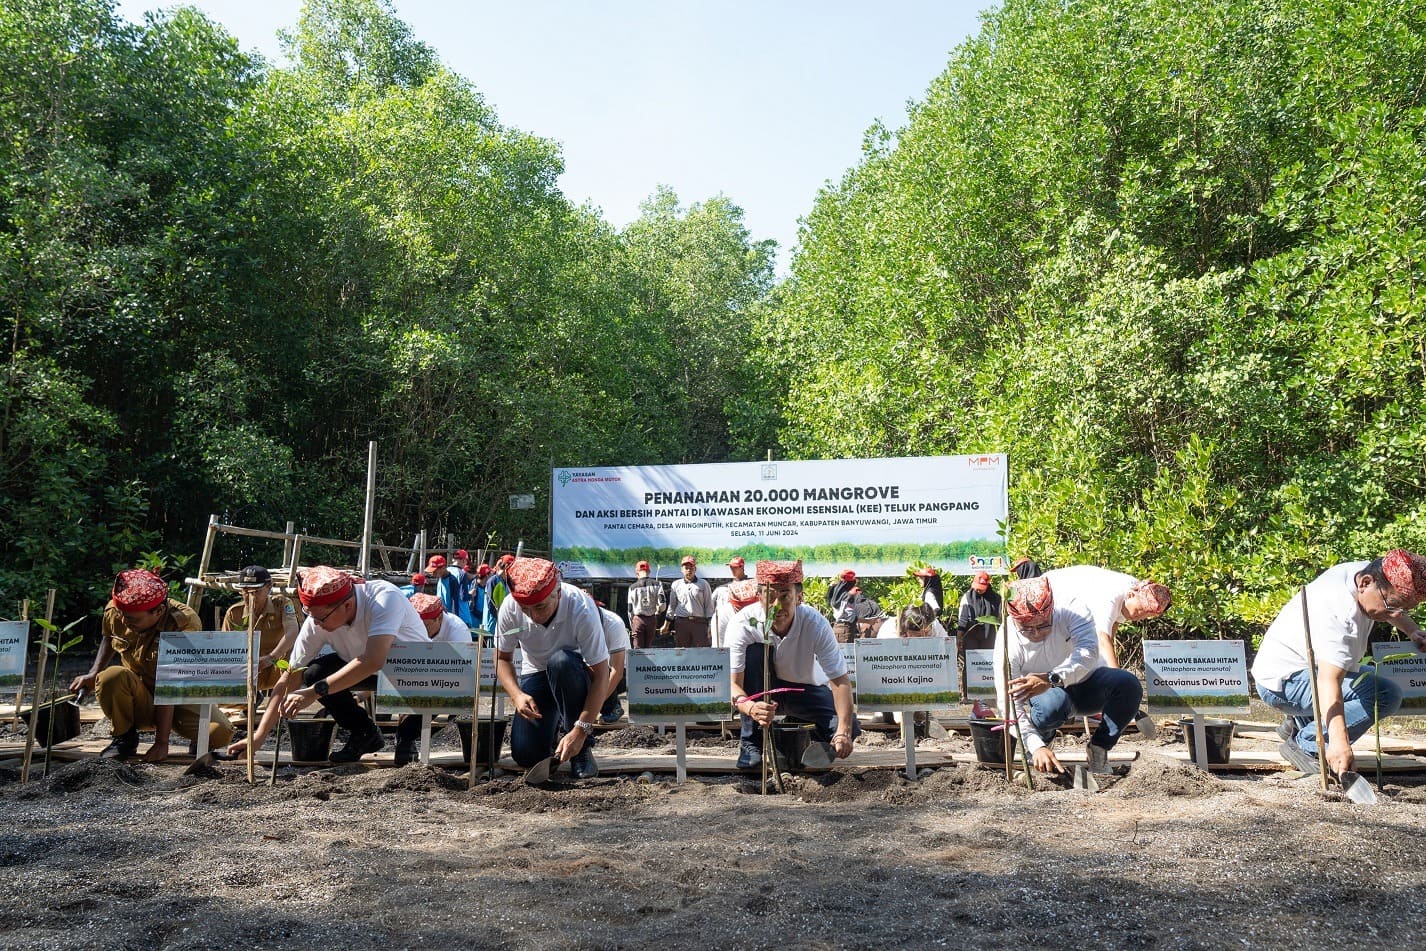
1054	637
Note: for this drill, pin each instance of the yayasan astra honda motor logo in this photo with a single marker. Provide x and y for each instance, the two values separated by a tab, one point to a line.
564	477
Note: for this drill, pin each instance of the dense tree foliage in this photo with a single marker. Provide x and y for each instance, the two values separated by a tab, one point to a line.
1170	256
221	279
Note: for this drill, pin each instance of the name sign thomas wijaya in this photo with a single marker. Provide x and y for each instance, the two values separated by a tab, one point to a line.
1196	676
438	677
197	667
872	515
668	685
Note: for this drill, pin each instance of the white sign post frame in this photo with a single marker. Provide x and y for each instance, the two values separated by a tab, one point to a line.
675	685
907	674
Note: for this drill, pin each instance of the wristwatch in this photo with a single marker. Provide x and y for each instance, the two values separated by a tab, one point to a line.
1056	680
321	687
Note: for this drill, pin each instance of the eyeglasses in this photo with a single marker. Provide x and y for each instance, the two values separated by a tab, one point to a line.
322	621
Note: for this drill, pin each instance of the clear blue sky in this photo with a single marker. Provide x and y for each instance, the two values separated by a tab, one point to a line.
763	102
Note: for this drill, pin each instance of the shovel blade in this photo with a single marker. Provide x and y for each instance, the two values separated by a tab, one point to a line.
1084	779
1358	790
540	773
817	756
934	729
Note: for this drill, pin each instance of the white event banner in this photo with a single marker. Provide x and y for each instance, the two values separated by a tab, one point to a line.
875	516
672	684
980	675
14	643
197	667
1409	673
907	673
437	677
1196	676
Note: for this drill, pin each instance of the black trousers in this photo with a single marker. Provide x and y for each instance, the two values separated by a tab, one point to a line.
340	704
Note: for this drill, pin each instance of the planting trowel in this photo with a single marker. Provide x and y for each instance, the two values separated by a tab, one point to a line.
1358	790
539	774
206	761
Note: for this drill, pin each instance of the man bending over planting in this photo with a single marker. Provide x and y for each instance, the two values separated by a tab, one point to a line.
140	609
1056	673
359	622
806	661
564	672
1342	604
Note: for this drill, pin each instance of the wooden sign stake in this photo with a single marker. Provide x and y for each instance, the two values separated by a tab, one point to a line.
39	690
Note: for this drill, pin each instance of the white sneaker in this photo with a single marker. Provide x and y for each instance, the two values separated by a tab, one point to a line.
1097	761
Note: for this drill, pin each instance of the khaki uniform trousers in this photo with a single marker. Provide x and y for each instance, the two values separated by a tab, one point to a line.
129	705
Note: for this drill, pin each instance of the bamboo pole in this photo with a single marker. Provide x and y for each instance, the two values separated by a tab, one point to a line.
287	542
1316	700
475	709
1005	674
20	694
195	592
252	687
364	564
39	687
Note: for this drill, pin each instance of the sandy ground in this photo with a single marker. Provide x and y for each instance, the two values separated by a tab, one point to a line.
109	855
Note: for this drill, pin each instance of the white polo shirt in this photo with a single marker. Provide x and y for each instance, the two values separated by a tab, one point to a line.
381	611
1340	628
616	635
575	626
1071	650
1100	590
453	630
807	654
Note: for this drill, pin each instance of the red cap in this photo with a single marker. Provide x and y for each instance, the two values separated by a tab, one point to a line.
484	571
462	554
418	578
848	575
138	589
323	585
435	561
506	559
428	606
927	572
532	579
689	560
642	566
737	562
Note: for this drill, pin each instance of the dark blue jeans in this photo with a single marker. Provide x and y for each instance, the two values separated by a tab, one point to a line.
559	691
340	704
1359	701
1108	690
813	705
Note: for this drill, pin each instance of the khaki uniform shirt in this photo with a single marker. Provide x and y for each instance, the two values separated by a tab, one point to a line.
277	616
138	651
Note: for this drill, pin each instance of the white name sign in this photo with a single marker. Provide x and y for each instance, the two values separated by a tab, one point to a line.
669	685
906	673
438	677
198	667
14	640
1409	674
1196	676
980	675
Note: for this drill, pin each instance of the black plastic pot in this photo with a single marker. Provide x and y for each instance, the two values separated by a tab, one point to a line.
791	740
66	721
482	744
311	739
990	742
1217	735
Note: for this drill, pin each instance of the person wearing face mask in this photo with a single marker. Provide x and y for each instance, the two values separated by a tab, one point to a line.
1342	604
1056	674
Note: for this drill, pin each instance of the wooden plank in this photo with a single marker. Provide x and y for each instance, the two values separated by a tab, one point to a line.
1269	760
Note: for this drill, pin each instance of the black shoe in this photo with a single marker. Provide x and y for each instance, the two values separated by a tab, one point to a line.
1287	730
750	758
122	746
358	745
1301	760
582	764
405	751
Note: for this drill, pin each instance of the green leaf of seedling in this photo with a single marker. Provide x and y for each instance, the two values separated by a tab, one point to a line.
990	619
1394	658
46	625
282	664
